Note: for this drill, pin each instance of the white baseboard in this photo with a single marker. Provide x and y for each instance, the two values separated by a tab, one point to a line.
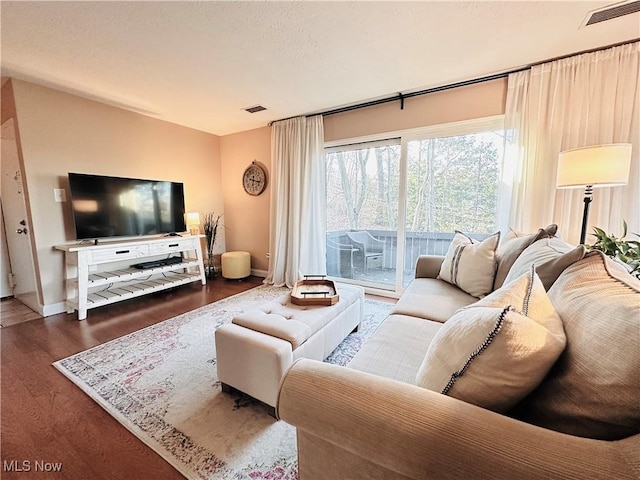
53	309
259	273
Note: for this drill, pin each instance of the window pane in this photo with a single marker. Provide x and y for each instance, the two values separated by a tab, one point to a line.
452	184
362	212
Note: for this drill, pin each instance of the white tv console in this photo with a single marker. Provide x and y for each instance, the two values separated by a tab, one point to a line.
93	277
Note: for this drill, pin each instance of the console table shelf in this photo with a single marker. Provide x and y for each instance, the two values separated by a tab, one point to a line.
128	274
91	282
131	290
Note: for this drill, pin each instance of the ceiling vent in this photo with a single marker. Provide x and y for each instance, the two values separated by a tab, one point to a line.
254	109
612	11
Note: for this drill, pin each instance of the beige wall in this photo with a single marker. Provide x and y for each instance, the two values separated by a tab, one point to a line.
464	103
246	217
61	133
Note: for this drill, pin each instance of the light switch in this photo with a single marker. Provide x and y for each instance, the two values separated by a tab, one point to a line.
59	195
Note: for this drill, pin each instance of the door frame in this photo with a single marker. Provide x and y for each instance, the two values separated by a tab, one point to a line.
32	297
6	286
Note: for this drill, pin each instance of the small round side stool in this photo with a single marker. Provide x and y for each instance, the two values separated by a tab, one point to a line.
236	265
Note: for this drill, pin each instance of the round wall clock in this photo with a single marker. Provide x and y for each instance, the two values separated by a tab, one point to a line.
254	179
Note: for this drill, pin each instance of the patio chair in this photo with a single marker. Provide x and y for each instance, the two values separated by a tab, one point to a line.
369	248
340	259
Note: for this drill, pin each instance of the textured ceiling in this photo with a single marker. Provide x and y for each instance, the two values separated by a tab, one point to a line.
200	63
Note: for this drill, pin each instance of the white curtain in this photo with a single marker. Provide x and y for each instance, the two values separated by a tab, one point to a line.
297	234
588	99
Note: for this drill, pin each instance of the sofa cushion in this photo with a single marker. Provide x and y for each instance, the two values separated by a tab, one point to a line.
594	388
512	244
432	299
397	348
550	256
470	264
496	351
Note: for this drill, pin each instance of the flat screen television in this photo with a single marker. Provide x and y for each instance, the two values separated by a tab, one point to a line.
118	207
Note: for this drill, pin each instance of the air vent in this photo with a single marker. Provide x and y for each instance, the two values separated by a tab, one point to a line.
612	11
254	109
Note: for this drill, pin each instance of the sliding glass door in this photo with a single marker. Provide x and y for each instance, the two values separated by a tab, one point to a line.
362	212
452	184
419	187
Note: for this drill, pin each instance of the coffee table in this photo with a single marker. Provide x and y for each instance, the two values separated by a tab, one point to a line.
256	349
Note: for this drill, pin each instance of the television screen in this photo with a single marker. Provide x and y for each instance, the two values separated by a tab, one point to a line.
114	206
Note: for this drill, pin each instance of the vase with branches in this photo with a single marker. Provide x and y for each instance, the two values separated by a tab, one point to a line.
210	223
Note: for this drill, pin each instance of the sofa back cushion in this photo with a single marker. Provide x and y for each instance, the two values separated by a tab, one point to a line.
512	244
550	256
594	388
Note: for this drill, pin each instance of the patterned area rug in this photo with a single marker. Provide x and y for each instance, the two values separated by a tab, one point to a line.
160	382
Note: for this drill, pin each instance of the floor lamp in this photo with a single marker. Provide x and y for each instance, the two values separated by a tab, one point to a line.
591	167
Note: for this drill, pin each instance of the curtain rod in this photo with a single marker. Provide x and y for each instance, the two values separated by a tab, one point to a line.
402	96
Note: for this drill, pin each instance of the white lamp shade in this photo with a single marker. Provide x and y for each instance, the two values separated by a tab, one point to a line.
192	219
597	166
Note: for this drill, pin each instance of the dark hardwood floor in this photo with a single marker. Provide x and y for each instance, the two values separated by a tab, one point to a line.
46	418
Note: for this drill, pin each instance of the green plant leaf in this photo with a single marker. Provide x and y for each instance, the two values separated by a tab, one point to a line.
627	251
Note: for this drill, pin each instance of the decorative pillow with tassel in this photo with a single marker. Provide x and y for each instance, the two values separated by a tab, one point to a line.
496	351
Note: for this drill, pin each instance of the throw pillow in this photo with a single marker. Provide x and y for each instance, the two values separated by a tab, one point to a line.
550	257
495	352
593	389
470	264
512	245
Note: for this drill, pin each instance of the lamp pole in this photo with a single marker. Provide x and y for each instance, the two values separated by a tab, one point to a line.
588	197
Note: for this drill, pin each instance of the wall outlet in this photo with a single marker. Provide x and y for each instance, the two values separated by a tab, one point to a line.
59	195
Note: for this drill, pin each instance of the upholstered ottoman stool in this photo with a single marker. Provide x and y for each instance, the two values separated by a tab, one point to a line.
257	347
236	265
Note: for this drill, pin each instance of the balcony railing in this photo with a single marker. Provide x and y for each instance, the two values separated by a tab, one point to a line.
343	260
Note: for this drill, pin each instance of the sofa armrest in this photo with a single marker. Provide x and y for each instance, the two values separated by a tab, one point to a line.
428	266
410	432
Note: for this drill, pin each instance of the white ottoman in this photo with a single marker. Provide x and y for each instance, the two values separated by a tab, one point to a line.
236	265
256	349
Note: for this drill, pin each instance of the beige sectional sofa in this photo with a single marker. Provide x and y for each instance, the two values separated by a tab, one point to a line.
576	413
